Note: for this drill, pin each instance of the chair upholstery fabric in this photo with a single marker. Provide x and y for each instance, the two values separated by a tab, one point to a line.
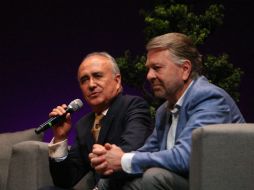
29	167
7	140
222	157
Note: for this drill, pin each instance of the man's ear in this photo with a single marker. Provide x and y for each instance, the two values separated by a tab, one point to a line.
118	80
186	68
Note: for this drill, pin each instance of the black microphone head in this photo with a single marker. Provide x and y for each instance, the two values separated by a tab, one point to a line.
75	105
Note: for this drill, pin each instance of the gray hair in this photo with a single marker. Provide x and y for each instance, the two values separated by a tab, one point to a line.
181	48
111	59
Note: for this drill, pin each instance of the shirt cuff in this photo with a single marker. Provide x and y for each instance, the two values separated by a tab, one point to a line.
126	162
58	151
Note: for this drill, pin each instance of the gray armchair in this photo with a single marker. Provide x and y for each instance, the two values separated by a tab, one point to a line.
29	166
23	161
222	157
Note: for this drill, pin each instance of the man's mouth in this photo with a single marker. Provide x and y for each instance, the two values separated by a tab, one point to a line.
94	94
156	86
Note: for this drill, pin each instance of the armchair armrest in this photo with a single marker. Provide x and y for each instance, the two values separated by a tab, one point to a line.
29	168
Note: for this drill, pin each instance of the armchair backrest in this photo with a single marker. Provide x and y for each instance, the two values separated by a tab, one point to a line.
222	157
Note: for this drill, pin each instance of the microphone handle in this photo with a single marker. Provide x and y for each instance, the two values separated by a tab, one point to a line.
51	122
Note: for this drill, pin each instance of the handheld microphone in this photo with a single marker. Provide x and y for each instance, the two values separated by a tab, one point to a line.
72	107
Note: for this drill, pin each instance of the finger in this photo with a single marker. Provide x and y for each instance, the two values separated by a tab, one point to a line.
61	109
99	150
108	146
56	111
97	146
64	106
114	146
101	168
108	172
97	160
91	156
68	116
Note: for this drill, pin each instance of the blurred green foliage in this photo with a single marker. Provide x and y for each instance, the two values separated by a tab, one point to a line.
171	16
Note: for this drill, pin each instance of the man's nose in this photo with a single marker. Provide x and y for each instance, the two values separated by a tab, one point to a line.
92	83
150	75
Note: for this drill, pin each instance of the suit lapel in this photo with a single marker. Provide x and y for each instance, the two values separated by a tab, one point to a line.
89	137
183	114
107	121
166	125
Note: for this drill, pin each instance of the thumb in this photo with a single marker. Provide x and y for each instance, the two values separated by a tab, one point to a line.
108	146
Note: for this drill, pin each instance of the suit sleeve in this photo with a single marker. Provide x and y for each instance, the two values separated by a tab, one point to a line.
138	125
68	172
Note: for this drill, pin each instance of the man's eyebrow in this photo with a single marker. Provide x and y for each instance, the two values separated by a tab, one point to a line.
83	77
97	72
151	63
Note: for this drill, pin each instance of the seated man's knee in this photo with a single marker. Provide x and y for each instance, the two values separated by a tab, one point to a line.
165	179
154	175
158	178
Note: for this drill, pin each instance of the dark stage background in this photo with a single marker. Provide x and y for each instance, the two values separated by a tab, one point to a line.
42	43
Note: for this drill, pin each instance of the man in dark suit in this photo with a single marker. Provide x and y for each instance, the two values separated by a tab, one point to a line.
124	121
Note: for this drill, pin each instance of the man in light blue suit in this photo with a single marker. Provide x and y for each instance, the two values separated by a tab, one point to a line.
174	66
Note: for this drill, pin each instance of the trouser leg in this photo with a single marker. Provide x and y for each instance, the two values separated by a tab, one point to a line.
162	179
86	183
135	184
158	179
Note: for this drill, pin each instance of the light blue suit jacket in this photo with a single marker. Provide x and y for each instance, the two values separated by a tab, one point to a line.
204	104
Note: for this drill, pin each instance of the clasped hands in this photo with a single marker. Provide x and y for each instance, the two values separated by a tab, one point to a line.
106	159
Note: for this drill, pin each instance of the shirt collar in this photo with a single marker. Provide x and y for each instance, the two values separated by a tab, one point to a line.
179	102
104	113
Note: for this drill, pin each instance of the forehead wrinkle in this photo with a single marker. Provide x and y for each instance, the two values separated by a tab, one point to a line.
96	63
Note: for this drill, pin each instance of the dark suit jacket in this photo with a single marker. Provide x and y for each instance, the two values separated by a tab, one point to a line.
126	124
